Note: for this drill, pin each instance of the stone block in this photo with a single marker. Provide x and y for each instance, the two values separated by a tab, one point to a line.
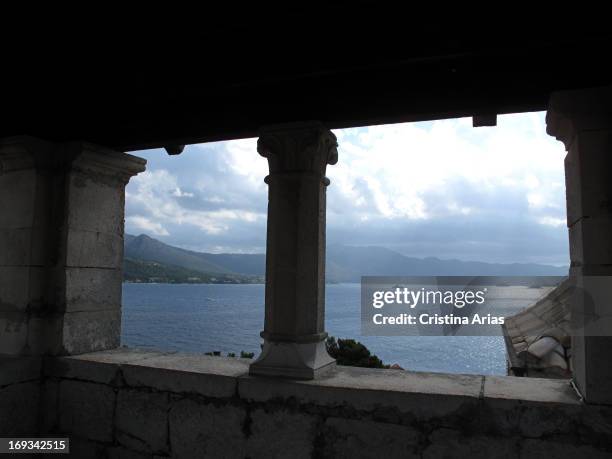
17	196
555	391
90	331
86	410
96	204
450	443
45	333
184	373
86	449
102	367
92	249
591	305
503	417
366	439
423	395
587	176
21	288
141	420
118	356
281	434
596	422
19	409
92	289
16	369
530	407
49	406
576	111
67	367
206	430
23	246
15	246
14	292
13	332
590	356
590	241
536	449
119	452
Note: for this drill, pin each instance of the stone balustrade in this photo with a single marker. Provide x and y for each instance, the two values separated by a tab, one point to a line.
135	403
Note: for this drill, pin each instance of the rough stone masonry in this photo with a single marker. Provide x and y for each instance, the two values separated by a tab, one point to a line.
134	403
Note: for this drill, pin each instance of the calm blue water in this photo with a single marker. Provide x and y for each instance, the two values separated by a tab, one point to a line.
228	318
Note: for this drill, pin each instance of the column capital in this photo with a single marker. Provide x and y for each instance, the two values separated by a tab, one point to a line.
23	152
26	152
298	147
570	112
96	161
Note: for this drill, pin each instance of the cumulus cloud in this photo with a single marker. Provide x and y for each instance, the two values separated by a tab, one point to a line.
439	188
195	206
144	224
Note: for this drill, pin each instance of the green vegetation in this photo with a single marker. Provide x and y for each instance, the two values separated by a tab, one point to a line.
243	355
141	271
347	352
352	353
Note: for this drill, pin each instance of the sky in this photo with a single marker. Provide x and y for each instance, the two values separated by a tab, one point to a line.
441	189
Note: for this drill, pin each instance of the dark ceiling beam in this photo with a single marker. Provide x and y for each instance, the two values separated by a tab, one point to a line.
156	93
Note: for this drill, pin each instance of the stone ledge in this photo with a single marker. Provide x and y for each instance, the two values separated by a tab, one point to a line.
530	390
174	404
361	388
423	395
187	373
101	367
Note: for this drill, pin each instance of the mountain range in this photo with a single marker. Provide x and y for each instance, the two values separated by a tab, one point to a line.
344	264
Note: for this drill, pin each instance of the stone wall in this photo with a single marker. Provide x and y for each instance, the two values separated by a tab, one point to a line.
20	393
131	403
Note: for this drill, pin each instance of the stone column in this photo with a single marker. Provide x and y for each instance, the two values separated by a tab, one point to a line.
61	245
294	331
582	120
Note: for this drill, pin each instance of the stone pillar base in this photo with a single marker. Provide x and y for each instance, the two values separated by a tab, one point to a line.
293	360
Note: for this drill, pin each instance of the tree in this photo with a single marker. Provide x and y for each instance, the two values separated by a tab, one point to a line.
352	353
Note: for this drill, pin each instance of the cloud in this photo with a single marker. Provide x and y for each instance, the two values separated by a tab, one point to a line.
440	188
552	221
201	200
146	225
156	196
401	163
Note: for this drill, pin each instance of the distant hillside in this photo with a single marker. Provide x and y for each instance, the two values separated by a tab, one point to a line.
344	263
140	271
350	263
146	248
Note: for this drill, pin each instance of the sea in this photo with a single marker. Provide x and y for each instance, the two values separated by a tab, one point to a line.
199	318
